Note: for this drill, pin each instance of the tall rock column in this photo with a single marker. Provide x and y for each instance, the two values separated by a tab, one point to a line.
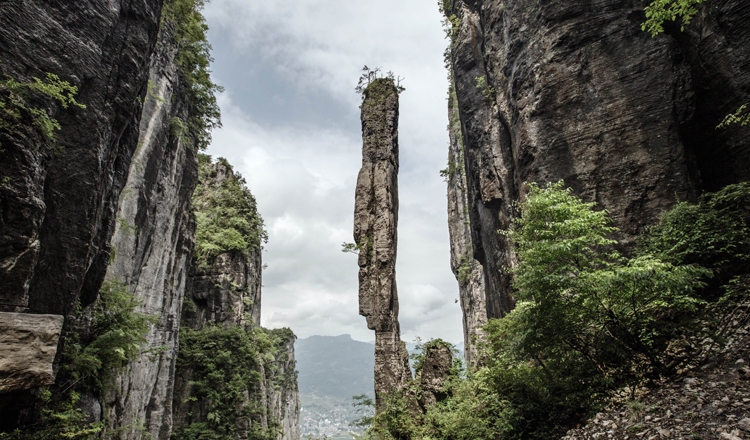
375	222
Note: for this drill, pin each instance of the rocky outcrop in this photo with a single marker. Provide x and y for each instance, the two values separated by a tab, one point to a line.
224	291
467	270
152	244
436	367
375	233
28	344
708	401
279	389
59	201
560	90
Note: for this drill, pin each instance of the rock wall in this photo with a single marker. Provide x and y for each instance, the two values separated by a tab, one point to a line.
279	386
467	270
58	198
59	203
563	90
375	233
152	245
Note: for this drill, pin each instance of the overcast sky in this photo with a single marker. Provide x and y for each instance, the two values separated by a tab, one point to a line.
291	127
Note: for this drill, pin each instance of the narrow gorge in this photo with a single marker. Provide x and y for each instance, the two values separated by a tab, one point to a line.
597	224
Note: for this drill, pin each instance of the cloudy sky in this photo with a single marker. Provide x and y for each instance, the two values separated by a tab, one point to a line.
291	127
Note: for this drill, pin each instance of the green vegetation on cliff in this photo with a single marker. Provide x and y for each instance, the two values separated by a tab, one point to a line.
226	213
101	342
16	106
193	60
590	321
224	366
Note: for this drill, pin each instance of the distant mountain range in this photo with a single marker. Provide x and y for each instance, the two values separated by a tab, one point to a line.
336	366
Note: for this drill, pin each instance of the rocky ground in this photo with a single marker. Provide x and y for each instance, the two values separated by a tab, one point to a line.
710	401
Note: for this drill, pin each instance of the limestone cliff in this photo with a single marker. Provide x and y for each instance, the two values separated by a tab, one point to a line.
59	191
223	301
467	270
563	90
152	244
375	233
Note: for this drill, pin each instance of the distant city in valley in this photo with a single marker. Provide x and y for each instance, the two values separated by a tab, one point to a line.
333	369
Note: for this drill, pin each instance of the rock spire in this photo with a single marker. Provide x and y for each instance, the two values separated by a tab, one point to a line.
375	222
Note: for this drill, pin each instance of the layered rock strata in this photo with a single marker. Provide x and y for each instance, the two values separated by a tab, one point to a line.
59	199
375	224
59	196
560	90
152	244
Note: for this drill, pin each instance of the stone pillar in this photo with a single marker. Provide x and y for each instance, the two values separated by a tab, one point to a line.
375	223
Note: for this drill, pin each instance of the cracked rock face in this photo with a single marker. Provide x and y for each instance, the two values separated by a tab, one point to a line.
435	369
375	224
559	90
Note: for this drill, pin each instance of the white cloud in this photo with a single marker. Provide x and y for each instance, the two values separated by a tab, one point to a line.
303	175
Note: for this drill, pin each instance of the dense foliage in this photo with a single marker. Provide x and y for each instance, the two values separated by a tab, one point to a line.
193	60
103	340
590	321
224	364
226	213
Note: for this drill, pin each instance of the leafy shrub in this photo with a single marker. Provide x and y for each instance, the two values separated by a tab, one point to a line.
714	233
98	348
660	11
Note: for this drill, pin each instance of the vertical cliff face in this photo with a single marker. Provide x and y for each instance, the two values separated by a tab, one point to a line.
59	203
222	312
467	270
280	393
152	244
58	197
375	232
561	90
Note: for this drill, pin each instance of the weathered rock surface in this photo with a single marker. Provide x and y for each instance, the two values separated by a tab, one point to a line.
438	360
58	207
467	270
152	244
58	200
375	232
28	344
563	90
